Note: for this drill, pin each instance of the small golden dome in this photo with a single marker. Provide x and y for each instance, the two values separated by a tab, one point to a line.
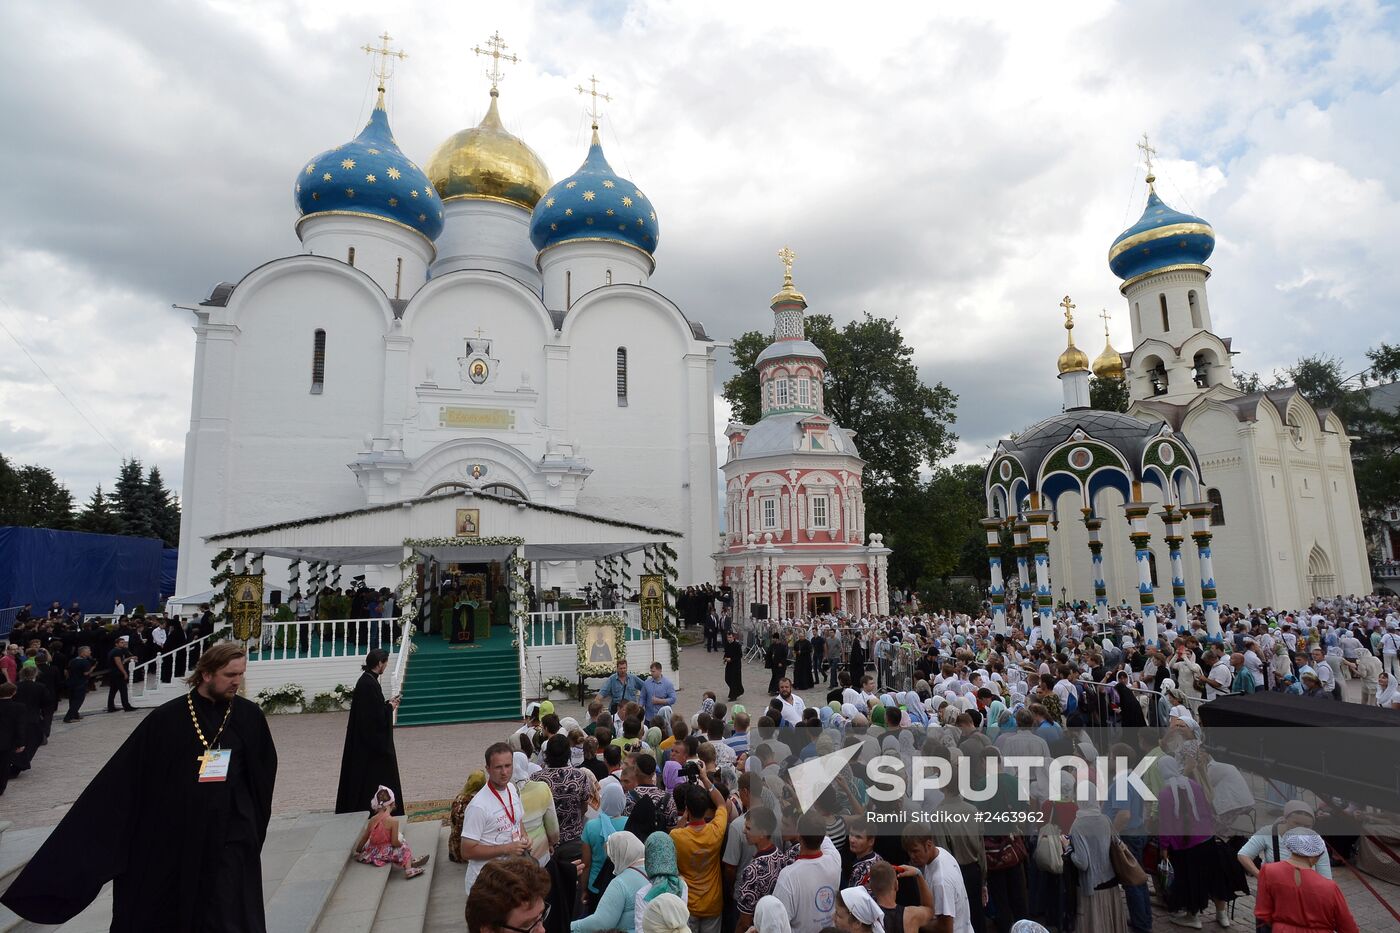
487	162
1108	364
1073	360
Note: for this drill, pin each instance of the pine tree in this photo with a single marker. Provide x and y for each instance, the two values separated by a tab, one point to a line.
42	501
97	516
165	514
11	510
132	501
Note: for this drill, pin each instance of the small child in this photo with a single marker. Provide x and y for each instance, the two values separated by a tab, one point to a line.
381	844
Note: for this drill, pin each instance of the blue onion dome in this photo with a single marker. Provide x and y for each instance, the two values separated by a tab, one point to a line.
595	203
370	177
1162	237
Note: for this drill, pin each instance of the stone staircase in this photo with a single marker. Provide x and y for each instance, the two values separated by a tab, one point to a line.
461	684
310	883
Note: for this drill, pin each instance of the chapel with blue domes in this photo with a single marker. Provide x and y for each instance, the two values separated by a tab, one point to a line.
466	327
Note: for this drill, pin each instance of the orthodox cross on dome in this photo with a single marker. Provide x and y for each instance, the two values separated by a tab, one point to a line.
1105	317
592	91
383	67
495	48
787	257
1069	307
1147	153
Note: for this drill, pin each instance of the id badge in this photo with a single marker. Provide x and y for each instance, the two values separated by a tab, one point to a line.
214	765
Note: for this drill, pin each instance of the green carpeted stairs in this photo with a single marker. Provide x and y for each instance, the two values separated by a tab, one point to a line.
460	683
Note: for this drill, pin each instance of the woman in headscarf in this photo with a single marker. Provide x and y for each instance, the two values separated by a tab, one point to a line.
1293	896
666	914
1130	715
616	909
1387	693
644	819
877	716
1101	904
1186	824
995	711
1280	666
914	709
857	912
596	831
770	916
475	782
653	740
540	822
661	872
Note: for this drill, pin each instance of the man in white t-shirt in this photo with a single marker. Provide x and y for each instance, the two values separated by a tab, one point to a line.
1390	650
493	825
1220	677
808	887
792	705
944	878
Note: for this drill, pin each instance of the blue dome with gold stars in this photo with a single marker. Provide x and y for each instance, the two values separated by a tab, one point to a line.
595	203
369	176
1162	237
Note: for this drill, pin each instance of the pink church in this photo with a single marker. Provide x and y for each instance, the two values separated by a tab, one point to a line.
794	509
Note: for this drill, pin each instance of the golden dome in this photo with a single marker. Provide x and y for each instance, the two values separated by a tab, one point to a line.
1073	360
1108	364
489	163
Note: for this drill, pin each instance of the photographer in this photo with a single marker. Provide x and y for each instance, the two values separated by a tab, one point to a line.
699	845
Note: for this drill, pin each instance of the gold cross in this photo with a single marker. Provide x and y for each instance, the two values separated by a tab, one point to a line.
494	47
1147	153
592	112
479	334
1104	315
204	759
787	257
1069	311
383	59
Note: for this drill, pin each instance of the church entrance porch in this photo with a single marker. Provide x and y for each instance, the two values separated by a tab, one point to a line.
821	605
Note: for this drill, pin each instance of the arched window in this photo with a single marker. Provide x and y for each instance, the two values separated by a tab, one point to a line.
607	277
622	377
1217	508
1137	318
568	290
398	278
318	361
1166	321
1195	309
350	256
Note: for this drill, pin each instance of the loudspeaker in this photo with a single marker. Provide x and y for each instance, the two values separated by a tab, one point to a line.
275	598
758	611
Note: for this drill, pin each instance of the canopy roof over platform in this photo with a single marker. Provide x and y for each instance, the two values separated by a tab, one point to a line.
376	534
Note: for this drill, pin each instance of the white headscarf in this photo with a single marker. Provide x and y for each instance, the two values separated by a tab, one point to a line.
667	913
625	850
522	769
770	916
1176	782
863	907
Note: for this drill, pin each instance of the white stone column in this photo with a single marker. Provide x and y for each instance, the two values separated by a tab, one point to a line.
1141	538
1200	512
1171	517
1094	526
1038	535
997	586
1023	575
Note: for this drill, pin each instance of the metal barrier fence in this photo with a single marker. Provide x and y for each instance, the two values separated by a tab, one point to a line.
559	627
7	620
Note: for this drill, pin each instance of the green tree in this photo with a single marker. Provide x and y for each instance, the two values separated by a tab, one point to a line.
32	497
165	513
1108	394
131	501
10	499
97	515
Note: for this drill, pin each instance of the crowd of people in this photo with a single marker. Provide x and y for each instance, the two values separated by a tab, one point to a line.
641	818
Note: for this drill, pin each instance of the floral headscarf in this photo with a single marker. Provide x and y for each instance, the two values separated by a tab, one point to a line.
661	866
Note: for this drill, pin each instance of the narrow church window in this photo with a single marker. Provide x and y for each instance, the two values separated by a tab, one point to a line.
770	512
819	512
622	377
804	391
1217	508
1166	321
782	393
350	257
318	362
398	279
1137	318
1195	308
1152	566
607	277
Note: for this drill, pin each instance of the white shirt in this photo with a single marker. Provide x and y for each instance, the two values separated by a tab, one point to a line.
1390	643
945	881
487	819
1219	680
792	709
158	636
119	609
807	889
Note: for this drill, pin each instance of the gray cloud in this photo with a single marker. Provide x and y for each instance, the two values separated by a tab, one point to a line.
958	171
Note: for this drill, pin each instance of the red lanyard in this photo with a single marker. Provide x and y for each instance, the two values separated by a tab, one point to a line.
507	805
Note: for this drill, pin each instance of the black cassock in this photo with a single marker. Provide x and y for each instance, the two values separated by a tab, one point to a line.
369	759
734	669
184	855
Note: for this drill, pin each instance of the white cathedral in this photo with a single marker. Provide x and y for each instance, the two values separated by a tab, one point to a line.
1284	524
472	326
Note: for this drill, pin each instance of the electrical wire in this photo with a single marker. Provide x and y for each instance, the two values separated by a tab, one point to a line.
57	387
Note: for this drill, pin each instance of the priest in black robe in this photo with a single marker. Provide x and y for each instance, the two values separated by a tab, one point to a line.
183	853
733	666
369	759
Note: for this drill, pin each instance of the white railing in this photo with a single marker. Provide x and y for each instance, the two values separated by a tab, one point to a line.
334	638
400	671
170	667
545	629
7	619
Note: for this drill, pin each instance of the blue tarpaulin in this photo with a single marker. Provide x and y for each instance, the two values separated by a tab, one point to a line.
169	563
38	565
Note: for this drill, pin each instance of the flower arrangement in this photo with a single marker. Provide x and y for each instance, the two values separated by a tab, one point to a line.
558	684
273	699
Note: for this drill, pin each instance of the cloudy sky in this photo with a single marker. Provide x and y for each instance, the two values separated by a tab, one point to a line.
957	166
